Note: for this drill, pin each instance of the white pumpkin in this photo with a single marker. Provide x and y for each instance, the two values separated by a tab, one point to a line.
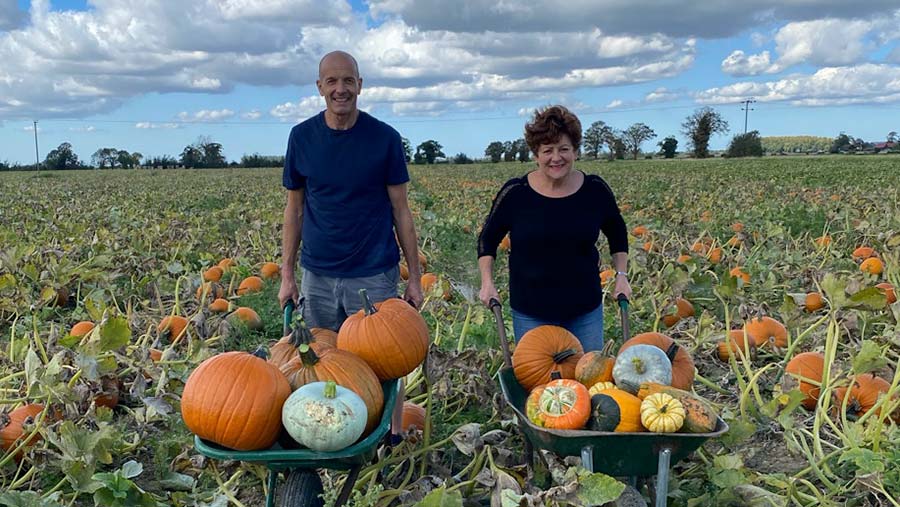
641	363
324	416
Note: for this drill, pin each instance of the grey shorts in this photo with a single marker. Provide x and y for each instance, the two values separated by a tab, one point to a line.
328	301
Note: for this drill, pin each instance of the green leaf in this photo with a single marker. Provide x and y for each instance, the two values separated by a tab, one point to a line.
115	333
131	469
174	481
509	498
29	499
69	341
869	358
440	497
738	431
33	367
7	280
726	479
835	289
175	268
728	462
866	461
598	489
870	298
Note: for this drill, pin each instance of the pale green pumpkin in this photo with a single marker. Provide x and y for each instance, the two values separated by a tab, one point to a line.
324	416
641	363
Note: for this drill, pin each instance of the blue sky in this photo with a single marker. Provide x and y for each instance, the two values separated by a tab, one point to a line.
154	77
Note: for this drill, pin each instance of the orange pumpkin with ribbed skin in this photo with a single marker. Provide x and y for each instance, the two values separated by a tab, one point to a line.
800	371
213	274
542	351
220	305
872	266
234	399
428	280
738	272
813	302
320	362
715	255
285	349
682	362
863	252
172	326
82	328
13	430
640	231
736	343
685	308
323	335
210	290
413	417
593	367
888	290
226	264
249	285
767	331
863	395
390	336
615	410
269	270
248	316
561	404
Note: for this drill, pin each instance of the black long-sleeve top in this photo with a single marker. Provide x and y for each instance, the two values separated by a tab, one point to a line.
553	257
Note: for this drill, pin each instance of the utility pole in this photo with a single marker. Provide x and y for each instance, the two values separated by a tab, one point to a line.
746	110
37	158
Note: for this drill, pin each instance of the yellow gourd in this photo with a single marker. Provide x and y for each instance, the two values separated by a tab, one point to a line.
662	413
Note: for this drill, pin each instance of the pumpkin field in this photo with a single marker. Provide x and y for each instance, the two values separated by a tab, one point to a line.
116	284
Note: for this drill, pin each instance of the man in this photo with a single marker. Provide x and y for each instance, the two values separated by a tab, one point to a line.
345	173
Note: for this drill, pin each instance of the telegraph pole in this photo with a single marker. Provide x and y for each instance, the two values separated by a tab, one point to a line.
746	110
37	158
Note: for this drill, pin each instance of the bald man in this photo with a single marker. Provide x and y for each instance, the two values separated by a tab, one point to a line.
345	175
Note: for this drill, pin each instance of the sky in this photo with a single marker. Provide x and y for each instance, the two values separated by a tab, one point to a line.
152	76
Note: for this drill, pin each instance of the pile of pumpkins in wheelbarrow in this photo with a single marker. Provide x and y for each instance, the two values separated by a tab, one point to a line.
323	388
646	387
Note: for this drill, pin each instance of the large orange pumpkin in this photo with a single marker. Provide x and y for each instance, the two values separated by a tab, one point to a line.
682	362
234	399
864	393
13	430
804	372
542	351
320	362
390	336
767	331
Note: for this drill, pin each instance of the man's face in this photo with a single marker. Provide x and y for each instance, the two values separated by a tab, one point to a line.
339	83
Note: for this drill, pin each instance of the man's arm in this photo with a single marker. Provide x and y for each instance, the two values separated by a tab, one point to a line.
290	244
406	232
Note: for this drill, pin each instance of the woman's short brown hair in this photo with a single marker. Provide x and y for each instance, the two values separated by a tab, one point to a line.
548	126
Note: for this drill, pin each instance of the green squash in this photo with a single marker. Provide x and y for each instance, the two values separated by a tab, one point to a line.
642	363
324	416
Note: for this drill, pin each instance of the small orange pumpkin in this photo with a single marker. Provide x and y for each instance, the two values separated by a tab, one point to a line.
269	270
213	274
13	429
594	366
888	290
250	285
82	328
872	266
172	326
804	372
813	302
210	290
247	316
863	394
220	305
413	417
767	331
685	308
736	343
863	253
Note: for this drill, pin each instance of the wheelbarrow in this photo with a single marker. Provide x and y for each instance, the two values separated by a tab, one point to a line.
619	454
302	485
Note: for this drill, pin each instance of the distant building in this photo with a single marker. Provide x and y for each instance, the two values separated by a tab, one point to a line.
884	146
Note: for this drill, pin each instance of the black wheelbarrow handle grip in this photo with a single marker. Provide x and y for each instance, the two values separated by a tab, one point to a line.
493	303
623	301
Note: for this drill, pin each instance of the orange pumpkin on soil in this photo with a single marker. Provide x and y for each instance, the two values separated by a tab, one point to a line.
888	290
213	274
863	394
172	326
872	266
804	372
210	291
269	270
863	253
682	362
12	430
250	285
413	417
542	351
82	328
813	302
737	343
685	308
767	331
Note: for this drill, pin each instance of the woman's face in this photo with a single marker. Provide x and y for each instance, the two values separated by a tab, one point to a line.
555	160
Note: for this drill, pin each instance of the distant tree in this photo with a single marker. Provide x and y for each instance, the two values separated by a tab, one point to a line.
842	142
257	160
509	151
523	152
617	145
191	157
635	135
212	154
668	147
892	137
700	126
164	161
745	145
407	149
62	158
495	151
595	137
104	157
128	160
428	151
462	158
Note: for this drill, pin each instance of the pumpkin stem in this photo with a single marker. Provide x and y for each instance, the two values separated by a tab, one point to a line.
555	375
261	352
367	303
672	351
307	355
638	365
563	355
330	389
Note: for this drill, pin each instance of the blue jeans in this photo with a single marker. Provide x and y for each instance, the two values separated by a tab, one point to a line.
588	327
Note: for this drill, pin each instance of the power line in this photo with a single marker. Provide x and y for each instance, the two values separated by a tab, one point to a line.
37	158
747	110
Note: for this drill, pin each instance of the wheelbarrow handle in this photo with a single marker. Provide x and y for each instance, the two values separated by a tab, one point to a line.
289	308
497	308
622	299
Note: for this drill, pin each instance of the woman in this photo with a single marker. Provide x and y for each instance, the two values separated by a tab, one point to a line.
554	216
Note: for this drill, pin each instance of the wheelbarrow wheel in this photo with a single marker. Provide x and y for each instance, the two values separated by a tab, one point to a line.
302	488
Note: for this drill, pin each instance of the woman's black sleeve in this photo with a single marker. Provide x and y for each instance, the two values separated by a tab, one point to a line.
496	225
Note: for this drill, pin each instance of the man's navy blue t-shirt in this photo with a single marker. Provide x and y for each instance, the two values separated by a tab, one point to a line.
347	216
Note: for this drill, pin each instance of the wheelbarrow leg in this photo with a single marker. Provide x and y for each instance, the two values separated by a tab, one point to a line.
270	495
587	458
529	454
348	486
662	477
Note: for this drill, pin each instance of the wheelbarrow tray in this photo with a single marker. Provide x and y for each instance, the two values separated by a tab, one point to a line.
279	458
614	453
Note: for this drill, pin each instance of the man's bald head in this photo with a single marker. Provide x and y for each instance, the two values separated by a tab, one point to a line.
337	57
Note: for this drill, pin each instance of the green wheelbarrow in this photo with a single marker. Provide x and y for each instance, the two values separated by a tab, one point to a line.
617	454
303	485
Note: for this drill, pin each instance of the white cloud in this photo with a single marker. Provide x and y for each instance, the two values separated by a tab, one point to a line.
306	107
614	104
822	42
251	115
89	128
661	95
30	128
10	15
740	64
758	39
861	84
151	125
206	115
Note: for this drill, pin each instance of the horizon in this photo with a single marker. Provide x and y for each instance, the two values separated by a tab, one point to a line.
102	74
